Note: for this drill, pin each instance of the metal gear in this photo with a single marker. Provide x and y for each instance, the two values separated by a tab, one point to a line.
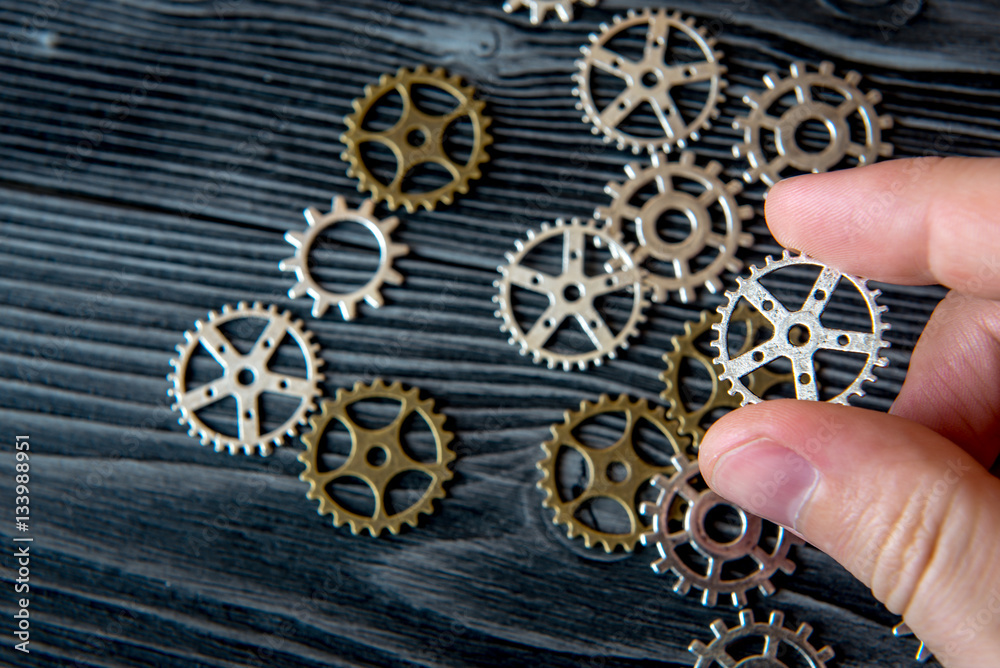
682	490
304	244
702	241
649	81
774	634
245	377
617	472
359	463
902	630
416	138
685	348
540	8
837	120
571	293
817	336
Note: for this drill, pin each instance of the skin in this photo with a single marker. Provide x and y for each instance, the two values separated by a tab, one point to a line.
904	501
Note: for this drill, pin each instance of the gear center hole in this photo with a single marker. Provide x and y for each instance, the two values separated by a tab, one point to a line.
573	292
617	472
725	524
246	377
650	79
417	137
377	456
814	135
799	335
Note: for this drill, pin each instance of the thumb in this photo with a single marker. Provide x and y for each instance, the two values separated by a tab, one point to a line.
905	510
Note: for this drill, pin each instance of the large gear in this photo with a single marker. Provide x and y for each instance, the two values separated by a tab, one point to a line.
808	107
571	293
799	334
649	81
540	8
703	241
305	242
417	138
902	630
777	641
245	377
684	489
617	472
685	348
384	442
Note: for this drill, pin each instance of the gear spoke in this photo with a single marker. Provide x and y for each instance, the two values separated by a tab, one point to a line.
545	327
619	110
205	395
823	288
750	361
268	341
848	341
216	343
532	279
249	425
595	327
765	303
609	61
657	40
691	73
672	123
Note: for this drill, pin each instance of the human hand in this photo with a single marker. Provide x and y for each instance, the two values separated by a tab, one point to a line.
904	501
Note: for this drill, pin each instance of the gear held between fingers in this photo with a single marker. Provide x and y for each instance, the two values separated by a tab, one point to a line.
306	242
416	139
377	457
246	377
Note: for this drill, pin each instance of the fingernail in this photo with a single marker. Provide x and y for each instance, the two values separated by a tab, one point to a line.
766	479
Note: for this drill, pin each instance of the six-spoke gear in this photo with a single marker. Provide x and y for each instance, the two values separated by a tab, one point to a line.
416	139
571	294
540	8
378	472
856	110
245	378
617	472
306	242
684	489
709	207
799	334
778	642
685	348
650	82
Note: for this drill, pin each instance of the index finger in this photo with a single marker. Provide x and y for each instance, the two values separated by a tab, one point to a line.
912	221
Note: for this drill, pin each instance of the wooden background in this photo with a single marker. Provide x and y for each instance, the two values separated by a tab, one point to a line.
151	550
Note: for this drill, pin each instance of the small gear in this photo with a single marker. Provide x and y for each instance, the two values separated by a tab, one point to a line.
684	489
777	640
617	472
571	293
650	81
902	630
799	334
810	107
245	378
541	8
417	138
685	348
381	445
305	242
703	243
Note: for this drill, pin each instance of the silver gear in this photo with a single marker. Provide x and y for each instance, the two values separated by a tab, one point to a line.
902	630
304	243
783	322
774	634
540	8
712	579
837	120
245	377
623	276
703	238
650	80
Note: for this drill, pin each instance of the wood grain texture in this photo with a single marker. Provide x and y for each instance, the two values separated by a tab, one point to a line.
153	153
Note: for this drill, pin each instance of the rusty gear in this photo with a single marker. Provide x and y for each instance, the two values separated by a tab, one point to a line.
702	242
304	243
777	640
576	236
649	81
685	348
783	322
856	105
540	8
682	490
601	483
245	377
416	138
359	465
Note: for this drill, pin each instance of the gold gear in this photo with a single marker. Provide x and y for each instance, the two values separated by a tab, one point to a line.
377	477
761	380
414	122
600	484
